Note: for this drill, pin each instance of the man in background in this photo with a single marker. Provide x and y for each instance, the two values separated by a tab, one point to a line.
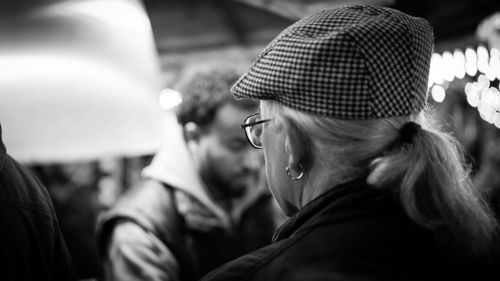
31	244
203	201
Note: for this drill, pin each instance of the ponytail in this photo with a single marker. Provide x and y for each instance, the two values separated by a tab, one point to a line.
434	188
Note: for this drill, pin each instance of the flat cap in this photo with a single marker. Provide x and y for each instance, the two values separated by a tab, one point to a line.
352	62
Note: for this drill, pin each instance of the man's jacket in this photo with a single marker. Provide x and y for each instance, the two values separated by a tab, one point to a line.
169	228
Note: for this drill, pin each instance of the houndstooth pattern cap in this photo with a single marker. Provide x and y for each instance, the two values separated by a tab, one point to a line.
353	62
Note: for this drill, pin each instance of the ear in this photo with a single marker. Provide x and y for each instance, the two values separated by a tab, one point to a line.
192	132
295	146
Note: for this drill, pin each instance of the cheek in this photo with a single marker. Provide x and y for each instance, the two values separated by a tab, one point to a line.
279	186
275	157
209	153
272	178
275	174
276	160
219	157
223	159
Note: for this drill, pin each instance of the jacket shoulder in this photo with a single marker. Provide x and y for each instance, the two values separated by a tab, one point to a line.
151	205
20	187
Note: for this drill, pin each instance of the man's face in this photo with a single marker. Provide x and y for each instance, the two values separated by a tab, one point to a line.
227	161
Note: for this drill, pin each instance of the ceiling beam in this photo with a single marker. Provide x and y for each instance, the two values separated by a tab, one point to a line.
297	9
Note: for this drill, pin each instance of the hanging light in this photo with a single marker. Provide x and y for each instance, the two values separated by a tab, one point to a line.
438	93
495	62
459	64
448	66
496	119
436	69
494	53
491	97
473	93
470	62
483	81
486	112
482	59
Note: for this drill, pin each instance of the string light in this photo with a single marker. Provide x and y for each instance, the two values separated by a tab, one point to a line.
436	72
470	62
481	94
495	62
438	93
459	64
482	59
448	66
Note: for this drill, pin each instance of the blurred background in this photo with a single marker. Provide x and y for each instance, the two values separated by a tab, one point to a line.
86	86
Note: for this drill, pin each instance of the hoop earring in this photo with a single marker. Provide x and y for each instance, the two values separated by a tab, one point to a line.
297	177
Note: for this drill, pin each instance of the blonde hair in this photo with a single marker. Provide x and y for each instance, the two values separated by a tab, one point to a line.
428	174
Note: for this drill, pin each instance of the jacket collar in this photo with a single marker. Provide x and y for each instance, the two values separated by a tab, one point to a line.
342	201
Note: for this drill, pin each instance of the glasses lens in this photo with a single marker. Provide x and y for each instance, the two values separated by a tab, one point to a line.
254	132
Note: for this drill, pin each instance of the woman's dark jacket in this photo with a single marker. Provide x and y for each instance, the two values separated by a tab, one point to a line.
352	232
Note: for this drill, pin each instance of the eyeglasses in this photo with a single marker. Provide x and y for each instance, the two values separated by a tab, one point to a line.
253	129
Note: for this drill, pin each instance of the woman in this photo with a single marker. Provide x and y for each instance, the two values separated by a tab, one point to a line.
373	190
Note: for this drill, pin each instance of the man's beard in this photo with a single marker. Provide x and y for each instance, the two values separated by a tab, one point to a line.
233	186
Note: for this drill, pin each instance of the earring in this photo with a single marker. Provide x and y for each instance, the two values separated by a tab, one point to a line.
298	175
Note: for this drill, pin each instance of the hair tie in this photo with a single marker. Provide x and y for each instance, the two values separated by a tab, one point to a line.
408	130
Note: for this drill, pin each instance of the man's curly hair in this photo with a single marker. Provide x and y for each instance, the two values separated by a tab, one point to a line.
204	92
